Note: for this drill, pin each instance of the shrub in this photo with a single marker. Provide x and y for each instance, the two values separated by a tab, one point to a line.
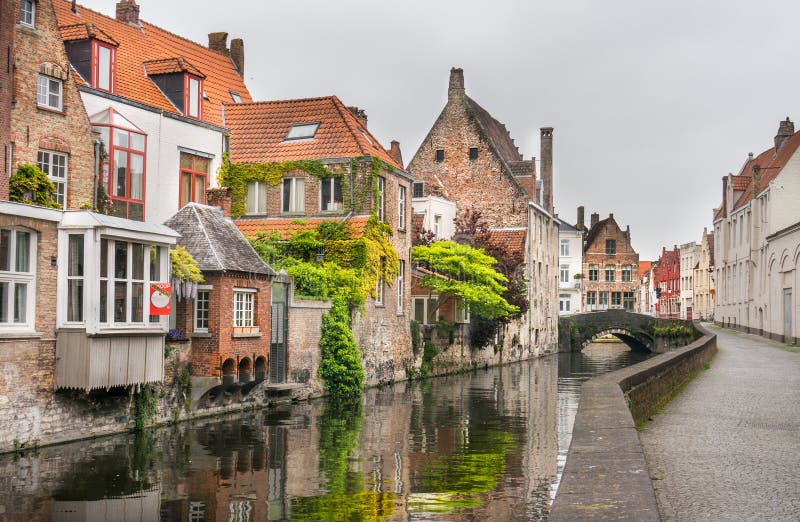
340	366
30	185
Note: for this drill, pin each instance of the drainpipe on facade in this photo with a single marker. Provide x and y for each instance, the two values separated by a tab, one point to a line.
96	172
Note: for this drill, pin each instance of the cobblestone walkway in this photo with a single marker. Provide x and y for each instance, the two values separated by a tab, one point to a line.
728	447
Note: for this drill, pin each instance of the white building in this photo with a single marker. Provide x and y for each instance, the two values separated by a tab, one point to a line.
437	213
690	254
757	242
157	102
570	269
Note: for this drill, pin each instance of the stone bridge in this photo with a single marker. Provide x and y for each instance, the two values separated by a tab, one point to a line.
640	332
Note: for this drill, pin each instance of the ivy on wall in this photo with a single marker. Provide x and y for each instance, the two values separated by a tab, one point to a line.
30	185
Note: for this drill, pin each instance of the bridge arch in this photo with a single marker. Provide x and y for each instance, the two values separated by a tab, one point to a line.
637	342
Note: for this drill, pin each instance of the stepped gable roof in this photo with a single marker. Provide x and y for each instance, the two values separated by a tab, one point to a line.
286	228
147	43
512	240
592	234
259	131
495	131
769	164
214	241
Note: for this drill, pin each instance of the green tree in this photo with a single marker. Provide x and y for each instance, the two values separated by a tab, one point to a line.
467	273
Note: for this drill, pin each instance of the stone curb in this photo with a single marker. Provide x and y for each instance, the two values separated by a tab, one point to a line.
606	476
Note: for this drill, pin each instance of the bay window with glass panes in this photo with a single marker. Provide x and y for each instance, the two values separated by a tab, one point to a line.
124	166
17	279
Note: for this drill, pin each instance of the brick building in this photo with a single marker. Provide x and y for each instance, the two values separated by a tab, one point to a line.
468	157
48	123
8	20
610	266
155	99
324	129
704	289
228	317
667	274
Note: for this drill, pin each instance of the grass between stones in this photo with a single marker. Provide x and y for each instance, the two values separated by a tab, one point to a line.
677	391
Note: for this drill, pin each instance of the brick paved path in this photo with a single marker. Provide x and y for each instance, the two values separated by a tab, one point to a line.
728	447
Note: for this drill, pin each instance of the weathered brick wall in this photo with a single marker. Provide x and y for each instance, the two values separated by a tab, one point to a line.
210	350
7	21
34	128
305	331
595	254
481	183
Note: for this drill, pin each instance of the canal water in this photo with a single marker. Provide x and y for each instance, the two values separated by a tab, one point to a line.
488	445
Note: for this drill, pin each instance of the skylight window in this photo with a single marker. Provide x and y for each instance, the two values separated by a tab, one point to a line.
235	97
301	131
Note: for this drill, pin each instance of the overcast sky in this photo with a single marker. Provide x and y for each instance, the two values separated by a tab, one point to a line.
652	102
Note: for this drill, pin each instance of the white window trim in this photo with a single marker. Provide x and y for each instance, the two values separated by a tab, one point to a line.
461	311
425	300
401	277
401	207
47	105
292	196
381	198
67	278
379	286
55	179
248	291
562	270
333	205
32	23
564	248
258	185
202	288
29	278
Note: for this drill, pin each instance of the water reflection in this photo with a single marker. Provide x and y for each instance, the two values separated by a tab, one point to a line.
487	445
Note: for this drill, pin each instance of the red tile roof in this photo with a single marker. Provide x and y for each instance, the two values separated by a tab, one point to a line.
147	43
171	65
741	182
769	164
287	227
644	267
512	240
258	132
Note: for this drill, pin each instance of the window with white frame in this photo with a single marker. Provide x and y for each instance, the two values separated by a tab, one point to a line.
379	287
17	278
49	92
381	198
28	12
126	270
564	247
201	309
75	275
294	195
401	277
401	208
563	302
54	164
603	301
564	274
437	225
594	272
331	194
244	301
425	309
626	273
256	201
611	272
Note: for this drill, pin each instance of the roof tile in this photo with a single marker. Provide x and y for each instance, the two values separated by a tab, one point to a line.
288	227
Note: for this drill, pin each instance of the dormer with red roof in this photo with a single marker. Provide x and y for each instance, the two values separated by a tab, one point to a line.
156	99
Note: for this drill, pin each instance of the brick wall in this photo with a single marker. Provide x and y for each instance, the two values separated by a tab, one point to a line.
7	22
481	183
210	350
595	254
34	128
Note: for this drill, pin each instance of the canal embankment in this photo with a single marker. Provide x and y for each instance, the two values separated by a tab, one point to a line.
606	474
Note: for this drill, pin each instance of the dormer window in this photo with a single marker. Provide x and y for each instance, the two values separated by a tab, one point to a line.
236	97
192	103
103	62
302	131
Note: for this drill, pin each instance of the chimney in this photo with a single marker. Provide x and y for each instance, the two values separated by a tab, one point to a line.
580	223
611	215
360	114
547	167
456	89
785	130
220	197
128	12
394	152
628	232
595	219
237	55
218	42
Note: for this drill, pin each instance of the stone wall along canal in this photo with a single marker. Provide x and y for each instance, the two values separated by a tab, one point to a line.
487	445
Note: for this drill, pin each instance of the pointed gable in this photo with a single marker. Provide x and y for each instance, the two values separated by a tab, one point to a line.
214	241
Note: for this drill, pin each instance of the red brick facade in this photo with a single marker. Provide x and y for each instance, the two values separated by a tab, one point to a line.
40	50
668	279
7	21
610	267
210	350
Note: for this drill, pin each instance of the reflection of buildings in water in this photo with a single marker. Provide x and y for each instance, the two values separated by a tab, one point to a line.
542	449
145	505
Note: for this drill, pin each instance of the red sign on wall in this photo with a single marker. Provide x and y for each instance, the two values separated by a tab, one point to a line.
160	298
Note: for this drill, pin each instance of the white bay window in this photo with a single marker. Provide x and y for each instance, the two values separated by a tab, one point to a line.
17	279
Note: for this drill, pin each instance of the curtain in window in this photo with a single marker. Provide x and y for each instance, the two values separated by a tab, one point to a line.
199	189
252	197
20	302
299	195
137	173
23	252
